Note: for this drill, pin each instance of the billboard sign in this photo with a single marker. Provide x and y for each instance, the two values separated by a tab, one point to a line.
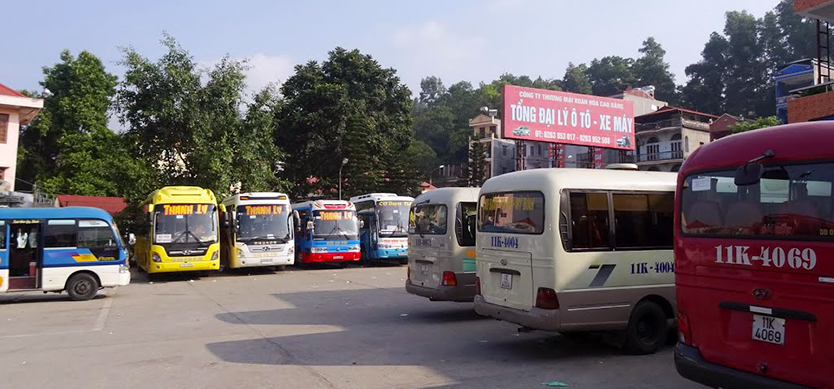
561	117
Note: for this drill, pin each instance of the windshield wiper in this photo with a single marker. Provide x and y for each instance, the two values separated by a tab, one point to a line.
419	230
336	228
180	236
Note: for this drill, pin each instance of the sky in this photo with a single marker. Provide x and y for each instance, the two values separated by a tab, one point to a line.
456	40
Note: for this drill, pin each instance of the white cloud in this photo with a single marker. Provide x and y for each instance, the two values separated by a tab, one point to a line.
262	70
435	49
266	69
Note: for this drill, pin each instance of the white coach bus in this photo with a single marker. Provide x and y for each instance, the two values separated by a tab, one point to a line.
579	250
441	245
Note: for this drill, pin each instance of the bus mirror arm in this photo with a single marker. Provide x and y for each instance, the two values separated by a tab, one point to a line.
131	239
311	227
751	172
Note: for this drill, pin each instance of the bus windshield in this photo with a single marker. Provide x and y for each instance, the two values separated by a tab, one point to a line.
428	219
789	201
392	218
512	212
336	225
185	223
263	222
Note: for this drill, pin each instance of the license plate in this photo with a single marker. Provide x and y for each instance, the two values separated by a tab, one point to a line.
186	265
424	269
506	281
267	260
769	329
338	257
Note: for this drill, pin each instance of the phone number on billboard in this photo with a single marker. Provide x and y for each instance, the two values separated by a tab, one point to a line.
602	140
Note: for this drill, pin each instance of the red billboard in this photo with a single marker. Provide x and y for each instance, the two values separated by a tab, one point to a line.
561	117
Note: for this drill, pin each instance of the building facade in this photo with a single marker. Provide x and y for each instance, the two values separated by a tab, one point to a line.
16	109
667	136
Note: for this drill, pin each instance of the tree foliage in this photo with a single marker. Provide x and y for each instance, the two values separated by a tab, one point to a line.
748	125
312	125
475	173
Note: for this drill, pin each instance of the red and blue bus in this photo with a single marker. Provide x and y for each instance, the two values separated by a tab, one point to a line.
327	231
754	260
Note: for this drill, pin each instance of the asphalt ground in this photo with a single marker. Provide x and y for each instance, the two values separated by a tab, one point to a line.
320	328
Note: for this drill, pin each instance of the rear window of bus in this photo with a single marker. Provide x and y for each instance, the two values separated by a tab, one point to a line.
792	200
428	219
512	212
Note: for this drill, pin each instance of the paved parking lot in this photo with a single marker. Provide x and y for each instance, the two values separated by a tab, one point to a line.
324	328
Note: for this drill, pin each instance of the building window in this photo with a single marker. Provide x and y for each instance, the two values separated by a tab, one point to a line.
686	144
676	146
4	127
652	149
482	130
2	173
504	150
492	129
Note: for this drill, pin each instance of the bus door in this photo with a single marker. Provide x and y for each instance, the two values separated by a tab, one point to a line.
25	254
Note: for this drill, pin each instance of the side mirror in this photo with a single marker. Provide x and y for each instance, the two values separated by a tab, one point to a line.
748	174
361	223
311	226
131	239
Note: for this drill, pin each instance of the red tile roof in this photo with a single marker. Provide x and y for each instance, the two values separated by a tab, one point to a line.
112	205
4	90
671	108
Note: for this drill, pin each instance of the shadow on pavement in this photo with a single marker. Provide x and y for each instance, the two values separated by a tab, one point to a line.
379	327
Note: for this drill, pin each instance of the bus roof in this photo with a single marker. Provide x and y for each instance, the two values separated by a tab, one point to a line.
325	204
448	196
54	213
257	197
379	196
790	142
554	179
181	195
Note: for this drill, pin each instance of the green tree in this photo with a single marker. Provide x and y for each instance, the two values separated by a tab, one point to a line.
364	170
318	100
705	90
186	122
748	125
747	84
576	79
652	69
475	173
256	159
611	75
431	91
68	148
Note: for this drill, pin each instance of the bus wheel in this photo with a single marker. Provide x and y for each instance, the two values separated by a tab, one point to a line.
82	286
646	329
280	267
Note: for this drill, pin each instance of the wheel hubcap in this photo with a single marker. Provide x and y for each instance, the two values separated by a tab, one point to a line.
83	287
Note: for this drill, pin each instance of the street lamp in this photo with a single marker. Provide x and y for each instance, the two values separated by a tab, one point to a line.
344	162
433	170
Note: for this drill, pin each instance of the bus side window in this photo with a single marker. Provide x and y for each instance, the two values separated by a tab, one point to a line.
95	234
61	233
589	220
2	235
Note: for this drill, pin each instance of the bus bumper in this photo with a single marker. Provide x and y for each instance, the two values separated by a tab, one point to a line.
536	318
167	267
330	257
464	292
263	261
392	253
692	366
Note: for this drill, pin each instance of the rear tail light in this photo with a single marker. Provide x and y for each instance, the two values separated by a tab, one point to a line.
477	285
546	299
449	279
684	331
408	277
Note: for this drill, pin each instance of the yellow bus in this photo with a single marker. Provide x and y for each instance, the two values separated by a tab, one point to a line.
179	231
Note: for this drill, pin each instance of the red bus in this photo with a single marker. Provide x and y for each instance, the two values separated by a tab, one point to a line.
754	256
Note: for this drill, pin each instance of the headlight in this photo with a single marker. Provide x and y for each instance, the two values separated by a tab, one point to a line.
291	250
238	252
215	255
354	249
155	257
318	250
124	269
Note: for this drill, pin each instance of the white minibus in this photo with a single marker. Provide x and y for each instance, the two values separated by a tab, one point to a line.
579	250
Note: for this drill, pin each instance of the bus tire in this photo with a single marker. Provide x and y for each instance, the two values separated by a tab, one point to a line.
646	330
82	286
280	267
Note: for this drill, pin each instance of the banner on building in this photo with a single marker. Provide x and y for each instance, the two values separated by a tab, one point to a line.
569	118
599	158
557	154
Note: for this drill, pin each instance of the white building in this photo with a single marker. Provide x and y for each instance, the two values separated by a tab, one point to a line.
666	137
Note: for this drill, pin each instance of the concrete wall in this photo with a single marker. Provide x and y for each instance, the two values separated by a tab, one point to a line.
695	138
8	150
